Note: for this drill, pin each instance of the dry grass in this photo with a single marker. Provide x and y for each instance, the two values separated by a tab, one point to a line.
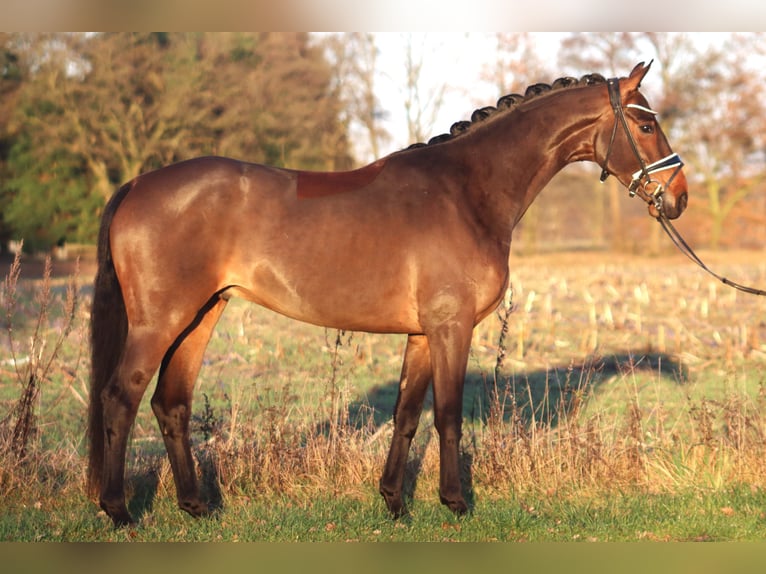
636	374
33	356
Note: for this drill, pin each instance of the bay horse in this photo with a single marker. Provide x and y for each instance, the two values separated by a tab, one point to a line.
416	243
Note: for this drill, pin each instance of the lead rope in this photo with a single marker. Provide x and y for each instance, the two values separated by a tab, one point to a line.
684	248
613	85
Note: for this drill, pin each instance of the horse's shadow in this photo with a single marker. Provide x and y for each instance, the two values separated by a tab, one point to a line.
414	467
541	395
544	395
143	491
554	389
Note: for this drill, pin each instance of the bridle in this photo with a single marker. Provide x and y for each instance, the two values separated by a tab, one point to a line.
642	183
651	191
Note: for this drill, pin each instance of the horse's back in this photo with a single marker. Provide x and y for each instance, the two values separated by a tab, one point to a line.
199	202
212	176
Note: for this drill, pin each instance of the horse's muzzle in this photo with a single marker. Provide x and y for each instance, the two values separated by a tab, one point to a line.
672	206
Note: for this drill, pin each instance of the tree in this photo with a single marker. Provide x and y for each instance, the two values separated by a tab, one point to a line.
721	122
611	54
516	63
12	74
268	97
354	58
515	66
608	53
30	165
48	199
422	106
92	117
705	99
100	109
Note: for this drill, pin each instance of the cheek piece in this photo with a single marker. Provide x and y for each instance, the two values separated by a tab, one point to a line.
651	191
642	183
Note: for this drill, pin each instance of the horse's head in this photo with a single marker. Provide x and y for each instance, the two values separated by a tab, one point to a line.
633	148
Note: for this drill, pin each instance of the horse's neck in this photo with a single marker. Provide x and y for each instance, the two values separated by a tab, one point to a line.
523	150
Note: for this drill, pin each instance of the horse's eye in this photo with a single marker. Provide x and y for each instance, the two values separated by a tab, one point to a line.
647	128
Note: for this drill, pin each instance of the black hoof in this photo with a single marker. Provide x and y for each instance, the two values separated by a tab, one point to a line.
457	506
119	515
194	507
394	504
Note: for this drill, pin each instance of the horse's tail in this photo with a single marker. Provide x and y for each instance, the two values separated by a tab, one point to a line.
108	332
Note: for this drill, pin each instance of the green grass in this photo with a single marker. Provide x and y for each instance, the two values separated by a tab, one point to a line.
633	398
733	514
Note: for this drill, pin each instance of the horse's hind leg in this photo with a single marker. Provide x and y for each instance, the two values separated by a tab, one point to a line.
120	399
416	374
171	404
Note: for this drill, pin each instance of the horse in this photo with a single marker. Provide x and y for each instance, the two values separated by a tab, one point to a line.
416	243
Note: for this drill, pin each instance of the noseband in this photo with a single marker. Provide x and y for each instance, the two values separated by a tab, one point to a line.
642	183
642	180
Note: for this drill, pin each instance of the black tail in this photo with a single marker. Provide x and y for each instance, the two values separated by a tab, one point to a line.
108	331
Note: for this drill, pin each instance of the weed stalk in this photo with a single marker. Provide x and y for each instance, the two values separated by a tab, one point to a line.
39	361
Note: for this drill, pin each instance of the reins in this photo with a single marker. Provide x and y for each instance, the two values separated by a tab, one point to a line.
684	248
637	187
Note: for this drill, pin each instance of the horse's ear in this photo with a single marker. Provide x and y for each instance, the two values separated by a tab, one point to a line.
633	82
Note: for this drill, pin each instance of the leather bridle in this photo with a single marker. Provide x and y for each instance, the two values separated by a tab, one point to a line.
651	191
642	184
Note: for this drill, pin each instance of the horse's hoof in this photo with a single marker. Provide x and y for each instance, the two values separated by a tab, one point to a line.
194	507
119	514
397	510
394	504
458	505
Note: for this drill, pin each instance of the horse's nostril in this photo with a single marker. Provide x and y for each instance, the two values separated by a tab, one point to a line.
682	201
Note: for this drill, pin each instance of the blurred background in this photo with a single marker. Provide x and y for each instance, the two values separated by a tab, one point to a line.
81	113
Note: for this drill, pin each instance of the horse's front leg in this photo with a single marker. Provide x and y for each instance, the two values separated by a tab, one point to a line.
416	374
450	345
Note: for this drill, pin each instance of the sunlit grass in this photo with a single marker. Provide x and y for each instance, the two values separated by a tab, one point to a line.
628	406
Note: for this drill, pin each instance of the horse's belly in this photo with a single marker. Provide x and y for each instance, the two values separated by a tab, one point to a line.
363	306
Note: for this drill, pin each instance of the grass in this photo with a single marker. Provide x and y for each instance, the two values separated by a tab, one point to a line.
734	514
622	401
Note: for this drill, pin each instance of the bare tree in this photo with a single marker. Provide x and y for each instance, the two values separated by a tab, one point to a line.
354	57
516	64
421	105
720	122
608	54
705	100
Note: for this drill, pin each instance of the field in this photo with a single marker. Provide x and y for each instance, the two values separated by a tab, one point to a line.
612	397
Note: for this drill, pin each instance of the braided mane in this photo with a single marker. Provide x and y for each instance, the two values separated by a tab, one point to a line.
510	102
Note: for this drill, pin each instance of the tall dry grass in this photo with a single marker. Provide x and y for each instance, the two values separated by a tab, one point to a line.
555	444
551	438
33	359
